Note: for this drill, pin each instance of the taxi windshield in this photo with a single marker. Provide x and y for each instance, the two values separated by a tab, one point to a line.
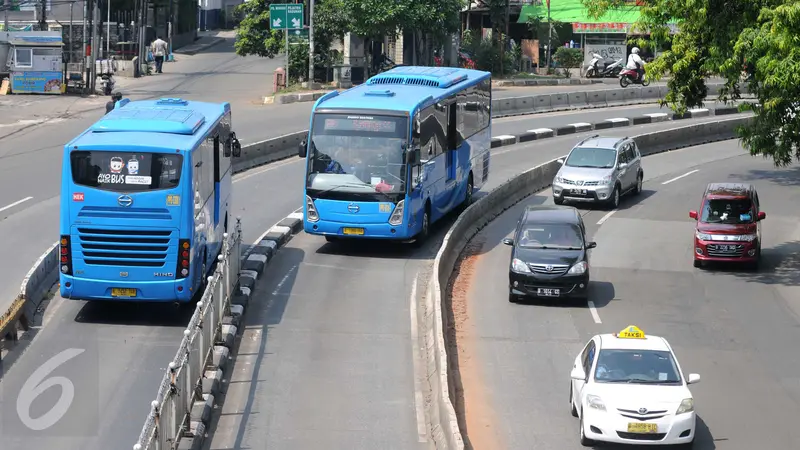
636	367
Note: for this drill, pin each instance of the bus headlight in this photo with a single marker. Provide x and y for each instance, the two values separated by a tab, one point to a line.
311	210
397	215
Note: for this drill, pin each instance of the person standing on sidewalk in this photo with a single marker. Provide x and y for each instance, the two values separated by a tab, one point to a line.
159	49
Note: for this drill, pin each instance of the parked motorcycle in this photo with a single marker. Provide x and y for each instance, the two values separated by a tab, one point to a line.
599	68
107	83
630	76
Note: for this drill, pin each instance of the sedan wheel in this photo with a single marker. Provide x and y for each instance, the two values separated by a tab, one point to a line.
586	442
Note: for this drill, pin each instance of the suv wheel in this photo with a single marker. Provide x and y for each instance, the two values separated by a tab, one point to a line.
639	180
613	202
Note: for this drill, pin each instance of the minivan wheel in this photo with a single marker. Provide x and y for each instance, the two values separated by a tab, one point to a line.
638	189
614	201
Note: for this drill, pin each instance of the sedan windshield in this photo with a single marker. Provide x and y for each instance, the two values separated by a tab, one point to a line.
727	211
598	158
557	236
636	367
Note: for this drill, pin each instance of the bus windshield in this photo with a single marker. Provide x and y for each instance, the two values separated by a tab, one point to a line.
357	157
126	171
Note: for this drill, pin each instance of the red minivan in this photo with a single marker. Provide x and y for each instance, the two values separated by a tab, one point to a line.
728	225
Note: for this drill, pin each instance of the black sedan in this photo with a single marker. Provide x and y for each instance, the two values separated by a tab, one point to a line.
550	254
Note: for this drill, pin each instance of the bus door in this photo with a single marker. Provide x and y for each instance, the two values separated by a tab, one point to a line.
217	175
452	143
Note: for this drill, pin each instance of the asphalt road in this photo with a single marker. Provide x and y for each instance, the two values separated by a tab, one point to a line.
736	328
326	357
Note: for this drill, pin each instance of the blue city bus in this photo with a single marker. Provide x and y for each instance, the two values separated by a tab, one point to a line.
128	229
388	158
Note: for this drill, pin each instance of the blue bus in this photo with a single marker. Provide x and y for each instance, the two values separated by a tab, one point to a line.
388	158
128	229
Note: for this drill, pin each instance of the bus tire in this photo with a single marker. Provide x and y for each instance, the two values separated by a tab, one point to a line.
203	277
468	195
226	222
426	224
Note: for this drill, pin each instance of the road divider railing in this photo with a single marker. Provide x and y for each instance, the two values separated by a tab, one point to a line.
186	394
605	124
433	321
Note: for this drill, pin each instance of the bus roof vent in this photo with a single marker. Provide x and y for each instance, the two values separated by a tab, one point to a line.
150	120
384	93
439	77
172	101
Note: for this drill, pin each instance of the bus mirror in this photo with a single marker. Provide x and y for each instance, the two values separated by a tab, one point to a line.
301	149
413	157
236	146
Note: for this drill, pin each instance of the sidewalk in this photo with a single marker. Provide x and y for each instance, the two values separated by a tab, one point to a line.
207	39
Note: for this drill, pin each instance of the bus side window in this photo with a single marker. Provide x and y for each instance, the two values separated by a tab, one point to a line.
441	129
453	139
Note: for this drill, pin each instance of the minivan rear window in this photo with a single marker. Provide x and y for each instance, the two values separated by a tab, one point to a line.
728	211
126	171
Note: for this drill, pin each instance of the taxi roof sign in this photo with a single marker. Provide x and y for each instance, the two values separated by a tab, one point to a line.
631	332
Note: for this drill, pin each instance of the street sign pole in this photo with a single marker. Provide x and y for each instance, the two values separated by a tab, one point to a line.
286	39
310	44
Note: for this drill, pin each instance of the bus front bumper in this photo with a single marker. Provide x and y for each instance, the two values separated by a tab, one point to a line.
358	230
74	288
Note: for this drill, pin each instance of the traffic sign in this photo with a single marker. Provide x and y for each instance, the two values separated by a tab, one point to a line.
286	16
298	36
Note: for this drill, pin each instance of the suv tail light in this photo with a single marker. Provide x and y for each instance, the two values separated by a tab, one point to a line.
184	251
65	252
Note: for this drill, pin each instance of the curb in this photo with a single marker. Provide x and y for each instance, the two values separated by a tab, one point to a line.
616	122
255	261
547	82
444	420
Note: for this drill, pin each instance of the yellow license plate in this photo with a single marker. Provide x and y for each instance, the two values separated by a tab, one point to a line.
119	292
353	231
642	428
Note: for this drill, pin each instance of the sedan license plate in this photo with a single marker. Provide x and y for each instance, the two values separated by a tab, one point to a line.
578	191
120	292
548	292
353	231
646	428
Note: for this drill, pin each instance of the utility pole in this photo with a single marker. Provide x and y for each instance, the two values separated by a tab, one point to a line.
6	7
43	17
310	43
85	53
108	31
94	52
549	36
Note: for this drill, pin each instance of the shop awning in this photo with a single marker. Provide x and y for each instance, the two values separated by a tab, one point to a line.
573	12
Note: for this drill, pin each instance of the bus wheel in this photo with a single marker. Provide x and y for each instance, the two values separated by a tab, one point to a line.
426	224
468	196
203	277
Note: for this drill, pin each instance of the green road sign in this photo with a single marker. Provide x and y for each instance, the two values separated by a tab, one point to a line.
286	16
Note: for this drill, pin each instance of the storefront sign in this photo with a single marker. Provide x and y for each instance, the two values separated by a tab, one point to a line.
36	82
610	28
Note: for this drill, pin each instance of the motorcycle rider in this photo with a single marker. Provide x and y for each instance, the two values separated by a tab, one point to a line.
636	63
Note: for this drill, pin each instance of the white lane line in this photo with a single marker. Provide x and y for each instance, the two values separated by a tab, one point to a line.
604	218
283	280
422	429
681	176
593	310
15	204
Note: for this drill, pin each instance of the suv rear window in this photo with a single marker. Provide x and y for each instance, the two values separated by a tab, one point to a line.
728	211
126	171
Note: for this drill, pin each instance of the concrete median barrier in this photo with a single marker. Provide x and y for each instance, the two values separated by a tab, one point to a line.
433	320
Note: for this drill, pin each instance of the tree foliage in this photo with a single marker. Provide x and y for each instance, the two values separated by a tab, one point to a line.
254	36
568	58
722	37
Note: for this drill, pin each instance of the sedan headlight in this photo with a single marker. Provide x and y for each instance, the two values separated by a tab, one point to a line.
595	402
519	266
703	236
578	269
687	405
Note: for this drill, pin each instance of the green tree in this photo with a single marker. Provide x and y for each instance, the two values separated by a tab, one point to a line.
568	58
254	36
722	37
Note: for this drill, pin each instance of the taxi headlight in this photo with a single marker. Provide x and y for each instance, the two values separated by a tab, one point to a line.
703	236
687	405
595	402
519	266
578	269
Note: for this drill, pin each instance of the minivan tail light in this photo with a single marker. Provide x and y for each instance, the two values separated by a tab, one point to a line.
184	253
397	215
65	253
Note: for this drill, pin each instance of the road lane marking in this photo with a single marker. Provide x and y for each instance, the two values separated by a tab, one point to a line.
422	429
593	310
681	176
15	204
284	280
604	218
264	234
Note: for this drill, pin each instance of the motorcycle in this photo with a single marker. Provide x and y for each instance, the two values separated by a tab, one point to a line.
609	69
630	76
107	83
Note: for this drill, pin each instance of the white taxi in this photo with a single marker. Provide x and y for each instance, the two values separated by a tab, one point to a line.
628	388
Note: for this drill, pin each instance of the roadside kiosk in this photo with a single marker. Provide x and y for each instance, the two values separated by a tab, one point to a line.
35	62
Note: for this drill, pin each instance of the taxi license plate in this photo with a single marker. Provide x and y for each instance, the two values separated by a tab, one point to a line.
578	191
353	231
646	428
120	292
548	292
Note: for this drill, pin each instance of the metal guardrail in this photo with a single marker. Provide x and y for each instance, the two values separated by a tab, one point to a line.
168	420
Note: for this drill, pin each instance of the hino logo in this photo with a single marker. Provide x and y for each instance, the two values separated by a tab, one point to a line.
353	208
125	201
123	274
164	274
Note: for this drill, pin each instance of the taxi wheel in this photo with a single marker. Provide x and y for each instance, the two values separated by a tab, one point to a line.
586	442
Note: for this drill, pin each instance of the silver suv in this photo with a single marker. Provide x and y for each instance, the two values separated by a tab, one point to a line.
599	169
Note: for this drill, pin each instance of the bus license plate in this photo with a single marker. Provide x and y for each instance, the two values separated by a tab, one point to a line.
646	428
353	231
548	292
120	292
578	191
